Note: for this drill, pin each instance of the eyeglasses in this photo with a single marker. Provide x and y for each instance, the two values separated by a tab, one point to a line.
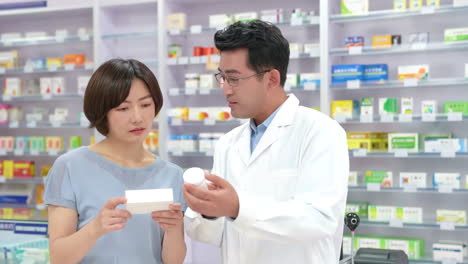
233	82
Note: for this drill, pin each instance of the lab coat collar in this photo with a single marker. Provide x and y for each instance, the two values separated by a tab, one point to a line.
284	117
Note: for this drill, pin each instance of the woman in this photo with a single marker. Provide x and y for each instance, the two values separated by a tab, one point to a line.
85	187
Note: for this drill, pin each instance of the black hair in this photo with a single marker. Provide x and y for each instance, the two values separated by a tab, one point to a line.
110	85
267	47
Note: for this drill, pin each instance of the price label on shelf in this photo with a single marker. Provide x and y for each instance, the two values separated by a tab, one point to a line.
448	261
190	91
294	54
84	122
60	39
209	122
314	53
340	118
360	153
447	225
69	67
31	123
428	117
447	154
315	20
174	31
183	60
52	152
34	152
172	61
355	50
14	124
178	153
205	91
18	152
174	91
411	82
296	21
176	121
418	46
310	86
2	179
85	37
405	118
6	97
396	223
196	29
28	69
209	153
41	207
52	68
401	153
455	116
287	87
3	152
2	70
387	118
373	187
445	189
7	43
89	66
410	188
366	118
427	10
56	124
215	58
203	59
195	60
46	96
353	84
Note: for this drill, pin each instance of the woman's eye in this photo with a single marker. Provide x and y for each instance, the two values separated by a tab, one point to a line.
122	109
146	105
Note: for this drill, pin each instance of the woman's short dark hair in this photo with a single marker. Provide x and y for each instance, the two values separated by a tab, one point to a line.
110	85
267	47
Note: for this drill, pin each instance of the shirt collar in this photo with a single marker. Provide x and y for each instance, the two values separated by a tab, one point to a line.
265	123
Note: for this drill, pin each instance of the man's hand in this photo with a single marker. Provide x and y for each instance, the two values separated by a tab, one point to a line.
219	200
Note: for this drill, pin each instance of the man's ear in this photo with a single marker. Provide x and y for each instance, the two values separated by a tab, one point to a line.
274	78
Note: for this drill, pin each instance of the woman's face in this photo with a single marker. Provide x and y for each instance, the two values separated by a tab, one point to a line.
132	120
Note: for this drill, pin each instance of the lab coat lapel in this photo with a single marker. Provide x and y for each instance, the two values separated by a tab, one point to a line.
243	146
284	117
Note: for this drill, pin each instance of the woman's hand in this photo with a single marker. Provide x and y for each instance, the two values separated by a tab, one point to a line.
111	219
171	219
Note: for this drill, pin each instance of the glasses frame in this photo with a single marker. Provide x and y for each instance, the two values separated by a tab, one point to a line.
221	80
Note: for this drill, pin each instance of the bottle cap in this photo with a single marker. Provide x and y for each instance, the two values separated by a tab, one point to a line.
194	176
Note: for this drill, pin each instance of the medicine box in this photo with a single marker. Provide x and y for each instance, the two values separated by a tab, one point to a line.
309	78
375	73
420	72
407	105
247	16
456	107
349	72
455	145
292	80
429	107
456	34
354	41
379	213
149	200
452	251
353	178
460	2
433	3
415	4
367	106
382	42
12	86
388	106
359	208
347	108
413	179
451	180
354	7
403	141
384	178
177	21
399	5
458	217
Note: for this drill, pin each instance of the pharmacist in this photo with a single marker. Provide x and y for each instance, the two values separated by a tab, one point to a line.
279	183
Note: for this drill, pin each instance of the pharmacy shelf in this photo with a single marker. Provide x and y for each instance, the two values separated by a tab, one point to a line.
402	84
29	154
403	119
130	35
22	98
392	14
426	225
401	49
430	261
406	155
33	180
219	91
202	60
24	70
430	190
16	206
16	125
194	30
46	40
191	154
206	122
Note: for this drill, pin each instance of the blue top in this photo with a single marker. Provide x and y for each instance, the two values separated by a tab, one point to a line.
83	180
258	131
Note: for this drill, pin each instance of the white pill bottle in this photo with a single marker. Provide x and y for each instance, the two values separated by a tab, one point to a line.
195	176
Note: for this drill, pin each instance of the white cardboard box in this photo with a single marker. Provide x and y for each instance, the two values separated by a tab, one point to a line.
147	201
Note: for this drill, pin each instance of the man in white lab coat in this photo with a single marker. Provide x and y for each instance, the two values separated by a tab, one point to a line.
279	182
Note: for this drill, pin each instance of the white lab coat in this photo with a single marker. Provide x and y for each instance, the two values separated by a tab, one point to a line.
292	191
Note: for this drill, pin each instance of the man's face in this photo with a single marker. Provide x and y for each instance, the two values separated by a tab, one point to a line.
245	97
